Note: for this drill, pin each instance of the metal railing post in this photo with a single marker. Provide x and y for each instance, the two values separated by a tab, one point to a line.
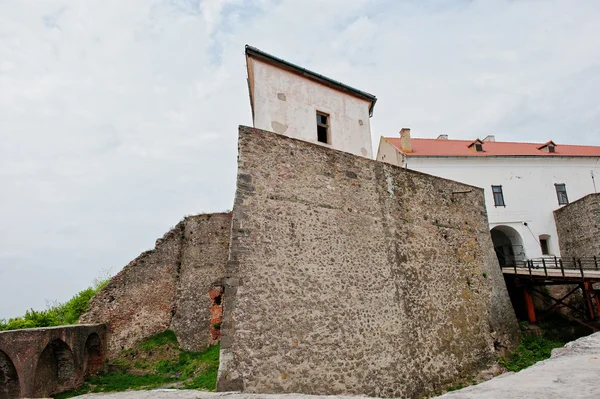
529	262
544	264
562	267
580	268
596	262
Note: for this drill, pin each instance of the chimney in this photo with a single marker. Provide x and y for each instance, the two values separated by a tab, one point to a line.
405	140
442	137
490	138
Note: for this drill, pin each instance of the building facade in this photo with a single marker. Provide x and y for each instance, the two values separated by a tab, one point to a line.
523	182
301	104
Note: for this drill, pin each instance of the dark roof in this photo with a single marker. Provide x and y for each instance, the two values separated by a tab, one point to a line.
254	52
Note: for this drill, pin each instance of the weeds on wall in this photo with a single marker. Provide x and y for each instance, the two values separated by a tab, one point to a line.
157	362
59	314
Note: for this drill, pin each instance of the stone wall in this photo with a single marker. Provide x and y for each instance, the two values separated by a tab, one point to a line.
578	227
351	276
39	362
167	287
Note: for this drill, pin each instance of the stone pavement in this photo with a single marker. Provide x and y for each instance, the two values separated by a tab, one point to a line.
572	372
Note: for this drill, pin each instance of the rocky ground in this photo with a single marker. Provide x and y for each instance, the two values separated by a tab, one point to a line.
572	372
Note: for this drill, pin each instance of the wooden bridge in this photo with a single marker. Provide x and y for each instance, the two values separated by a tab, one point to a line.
582	274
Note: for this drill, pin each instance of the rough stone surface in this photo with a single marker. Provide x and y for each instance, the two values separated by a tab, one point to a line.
167	287
578	226
41	361
571	372
350	276
203	262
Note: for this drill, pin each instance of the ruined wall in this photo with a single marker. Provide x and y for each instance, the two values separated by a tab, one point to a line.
167	287
350	276
578	226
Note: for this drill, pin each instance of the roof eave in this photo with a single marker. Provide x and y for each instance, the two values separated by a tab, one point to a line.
254	52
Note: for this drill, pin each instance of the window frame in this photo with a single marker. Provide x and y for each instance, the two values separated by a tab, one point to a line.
478	147
501	193
561	191
546	244
323	125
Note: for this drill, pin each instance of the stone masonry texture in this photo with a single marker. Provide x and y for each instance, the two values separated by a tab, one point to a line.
578	226
167	287
39	362
351	276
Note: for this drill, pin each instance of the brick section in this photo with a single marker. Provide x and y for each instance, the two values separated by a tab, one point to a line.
203	264
167	287
578	227
350	276
42	361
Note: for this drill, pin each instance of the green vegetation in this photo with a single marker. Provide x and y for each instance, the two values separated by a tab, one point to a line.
531	350
154	363
164	338
58	315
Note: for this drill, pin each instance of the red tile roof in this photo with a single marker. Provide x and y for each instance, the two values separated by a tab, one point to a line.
460	148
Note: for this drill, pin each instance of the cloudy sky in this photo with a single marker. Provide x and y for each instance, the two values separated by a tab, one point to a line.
119	117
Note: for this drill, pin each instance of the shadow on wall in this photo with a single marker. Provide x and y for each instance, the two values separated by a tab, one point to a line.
508	245
9	379
94	355
55	369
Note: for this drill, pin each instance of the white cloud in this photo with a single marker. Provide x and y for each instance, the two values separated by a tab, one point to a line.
119	117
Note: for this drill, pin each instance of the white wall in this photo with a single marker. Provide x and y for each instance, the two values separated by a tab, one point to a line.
388	153
287	103
528	186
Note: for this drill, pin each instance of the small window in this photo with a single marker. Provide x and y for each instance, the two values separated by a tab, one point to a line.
544	245
323	128
551	148
561	193
498	196
478	147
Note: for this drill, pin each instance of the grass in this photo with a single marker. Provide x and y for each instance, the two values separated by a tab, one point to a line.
160	339
59	314
530	351
154	363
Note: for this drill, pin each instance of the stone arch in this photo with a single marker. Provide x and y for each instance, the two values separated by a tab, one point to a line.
508	245
55	369
9	378
94	354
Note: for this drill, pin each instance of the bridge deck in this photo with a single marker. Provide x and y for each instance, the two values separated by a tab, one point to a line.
551	273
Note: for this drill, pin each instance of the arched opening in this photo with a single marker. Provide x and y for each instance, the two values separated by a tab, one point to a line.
55	369
94	355
9	379
508	245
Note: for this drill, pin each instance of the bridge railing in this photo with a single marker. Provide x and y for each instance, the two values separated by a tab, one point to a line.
563	264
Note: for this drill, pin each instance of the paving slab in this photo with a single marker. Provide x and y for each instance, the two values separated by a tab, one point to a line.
572	372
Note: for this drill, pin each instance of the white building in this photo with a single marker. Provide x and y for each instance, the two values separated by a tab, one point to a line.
290	100
523	182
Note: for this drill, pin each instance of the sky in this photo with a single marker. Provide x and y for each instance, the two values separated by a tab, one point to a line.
118	118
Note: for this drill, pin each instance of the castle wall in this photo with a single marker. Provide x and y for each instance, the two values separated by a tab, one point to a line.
351	276
167	287
578	226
